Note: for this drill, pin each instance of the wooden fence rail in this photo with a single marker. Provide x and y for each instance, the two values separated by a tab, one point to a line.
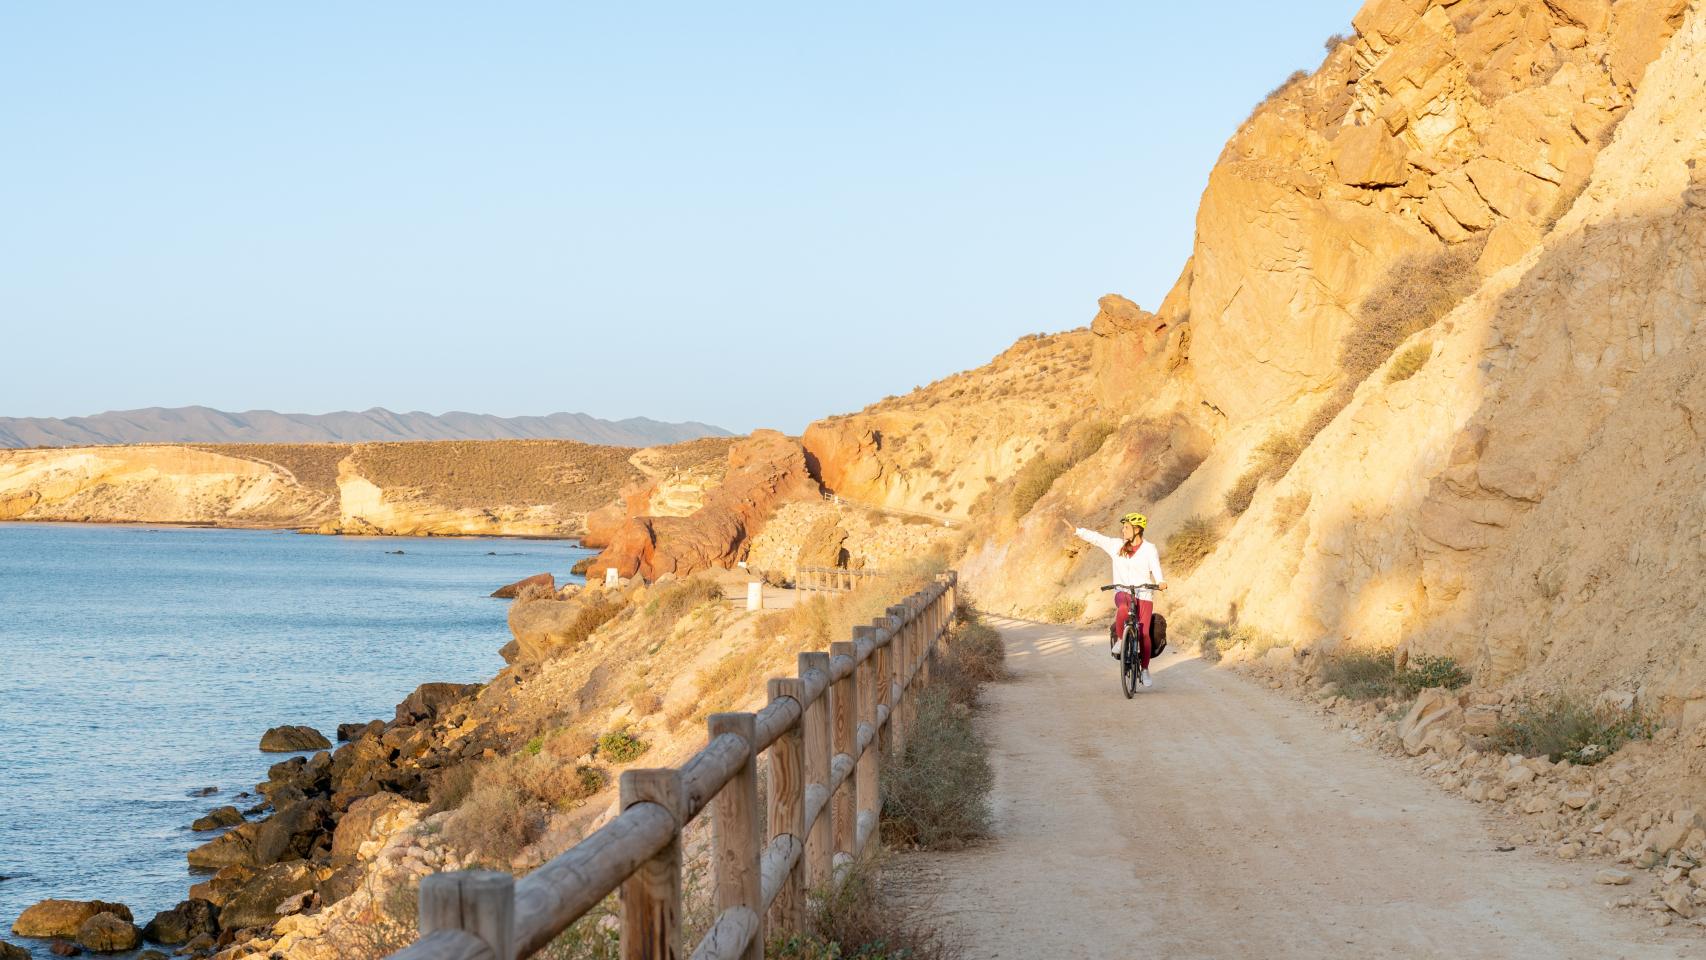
828	731
835	579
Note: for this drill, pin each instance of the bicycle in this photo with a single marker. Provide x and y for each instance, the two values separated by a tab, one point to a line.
1131	644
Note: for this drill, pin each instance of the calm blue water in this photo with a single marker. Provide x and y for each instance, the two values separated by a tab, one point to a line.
139	663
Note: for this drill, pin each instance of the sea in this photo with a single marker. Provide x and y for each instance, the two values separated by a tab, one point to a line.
139	666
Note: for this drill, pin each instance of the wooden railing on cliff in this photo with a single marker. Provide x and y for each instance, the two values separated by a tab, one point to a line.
835	579
827	731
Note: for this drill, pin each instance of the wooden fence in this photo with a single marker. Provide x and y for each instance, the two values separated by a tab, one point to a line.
834	579
827	731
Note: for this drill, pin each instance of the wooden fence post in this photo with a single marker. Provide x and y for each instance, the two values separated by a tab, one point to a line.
480	902
734	832
786	805
651	896
866	799
820	848
846	729
893	684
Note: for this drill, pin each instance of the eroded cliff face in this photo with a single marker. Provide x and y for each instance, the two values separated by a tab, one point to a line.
1529	501
449	488
938	449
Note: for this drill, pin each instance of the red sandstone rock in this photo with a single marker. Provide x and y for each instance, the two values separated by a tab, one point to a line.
509	591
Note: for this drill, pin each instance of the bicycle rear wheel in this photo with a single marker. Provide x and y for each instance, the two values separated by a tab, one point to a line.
1128	665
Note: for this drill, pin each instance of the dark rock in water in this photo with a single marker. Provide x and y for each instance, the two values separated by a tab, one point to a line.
491	553
511	591
61	918
256	904
11	951
60	948
351	732
183	923
216	818
394	553
255	810
203	791
430	699
108	933
151	955
201	945
291	739
233	848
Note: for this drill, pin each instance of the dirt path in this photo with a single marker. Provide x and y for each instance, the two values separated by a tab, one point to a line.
1210	818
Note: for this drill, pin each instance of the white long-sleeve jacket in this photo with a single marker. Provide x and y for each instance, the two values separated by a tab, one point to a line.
1143	566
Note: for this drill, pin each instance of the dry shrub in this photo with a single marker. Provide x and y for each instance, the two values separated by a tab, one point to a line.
980	651
1063	610
511	799
535	591
1086	438
1191	544
1417	291
851	919
387	925
570	744
1288	508
1273	457
1411	361
1365	674
1034	480
935	795
1277	92
597	608
645	703
450	788
1332	43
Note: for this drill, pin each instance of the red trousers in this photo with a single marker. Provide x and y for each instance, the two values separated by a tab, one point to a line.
1122	609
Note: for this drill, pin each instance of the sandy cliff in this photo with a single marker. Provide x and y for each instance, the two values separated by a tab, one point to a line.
501	487
1524	494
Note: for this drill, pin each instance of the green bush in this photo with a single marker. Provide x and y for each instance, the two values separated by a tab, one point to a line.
621	746
1063	610
1563	728
1372	674
935	795
1191	544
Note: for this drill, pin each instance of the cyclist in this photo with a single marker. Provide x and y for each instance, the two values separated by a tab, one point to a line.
1136	562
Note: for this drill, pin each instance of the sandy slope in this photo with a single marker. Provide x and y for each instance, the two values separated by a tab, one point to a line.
1262	833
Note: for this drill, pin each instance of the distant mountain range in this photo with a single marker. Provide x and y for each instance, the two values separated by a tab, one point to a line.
206	425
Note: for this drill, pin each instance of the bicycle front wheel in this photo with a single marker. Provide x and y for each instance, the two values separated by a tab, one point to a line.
1128	666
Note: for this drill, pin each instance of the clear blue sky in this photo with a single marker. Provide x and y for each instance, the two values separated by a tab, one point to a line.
750	214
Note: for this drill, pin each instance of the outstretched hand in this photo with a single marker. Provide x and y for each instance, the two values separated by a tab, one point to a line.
1068	524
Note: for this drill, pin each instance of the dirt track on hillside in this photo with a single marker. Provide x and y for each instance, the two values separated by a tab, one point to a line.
1211	818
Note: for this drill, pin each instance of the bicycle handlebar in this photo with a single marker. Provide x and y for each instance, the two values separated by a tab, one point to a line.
1127	586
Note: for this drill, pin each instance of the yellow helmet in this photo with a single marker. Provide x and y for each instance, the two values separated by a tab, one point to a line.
1137	520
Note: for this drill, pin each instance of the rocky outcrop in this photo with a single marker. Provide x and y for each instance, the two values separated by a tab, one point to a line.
290	739
539	581
108	933
764	471
937	450
183	923
217	818
62	918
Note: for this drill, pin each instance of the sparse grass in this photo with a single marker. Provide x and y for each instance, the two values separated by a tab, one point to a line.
1293	78
1564	728
1333	42
1410	362
669	603
387	925
510	801
1063	610
1426	671
1273	457
1288	508
851	919
1191	544
478	474
935	795
1087	437
1417	291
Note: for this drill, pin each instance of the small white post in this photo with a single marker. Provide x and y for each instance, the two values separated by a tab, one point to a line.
610	576
755	595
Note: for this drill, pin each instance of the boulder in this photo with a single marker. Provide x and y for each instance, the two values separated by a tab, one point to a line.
233	848
64	948
1369	156
510	591
257	903
183	923
62	918
292	832
1431	707
216	818
11	951
108	933
357	768
351	732
222	885
293	739
371	818
430	699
